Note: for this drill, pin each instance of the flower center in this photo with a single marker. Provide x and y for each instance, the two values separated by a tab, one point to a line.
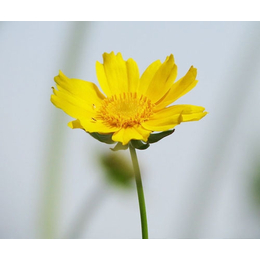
125	110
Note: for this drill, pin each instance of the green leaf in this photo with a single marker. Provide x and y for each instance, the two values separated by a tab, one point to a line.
105	138
117	169
153	138
119	146
139	144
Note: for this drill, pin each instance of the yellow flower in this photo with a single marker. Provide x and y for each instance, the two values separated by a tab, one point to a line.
132	107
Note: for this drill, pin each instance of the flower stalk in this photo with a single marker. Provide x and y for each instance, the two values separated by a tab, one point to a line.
140	192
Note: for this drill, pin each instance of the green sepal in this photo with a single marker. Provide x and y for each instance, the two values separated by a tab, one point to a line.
139	144
153	138
104	138
119	146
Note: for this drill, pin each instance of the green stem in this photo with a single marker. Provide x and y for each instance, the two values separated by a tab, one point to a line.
140	192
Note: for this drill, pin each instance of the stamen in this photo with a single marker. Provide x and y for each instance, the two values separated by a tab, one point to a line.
125	110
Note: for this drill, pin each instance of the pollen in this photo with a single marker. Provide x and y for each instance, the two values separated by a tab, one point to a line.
125	110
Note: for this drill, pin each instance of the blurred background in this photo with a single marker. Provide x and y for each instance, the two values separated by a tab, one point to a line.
203	181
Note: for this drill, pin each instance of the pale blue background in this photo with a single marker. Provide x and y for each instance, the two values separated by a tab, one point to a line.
198	182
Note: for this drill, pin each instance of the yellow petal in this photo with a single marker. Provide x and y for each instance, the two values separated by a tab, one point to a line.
133	75
85	91
114	72
148	75
144	132
186	112
70	108
169	117
102	79
73	100
161	124
125	135
162	80
75	124
97	126
180	88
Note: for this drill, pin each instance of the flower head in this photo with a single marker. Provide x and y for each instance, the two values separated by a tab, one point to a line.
132	107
